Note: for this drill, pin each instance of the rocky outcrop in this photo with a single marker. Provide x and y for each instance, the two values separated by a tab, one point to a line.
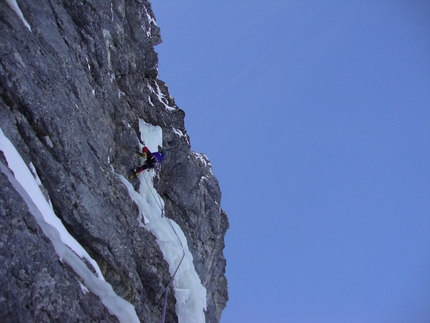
72	89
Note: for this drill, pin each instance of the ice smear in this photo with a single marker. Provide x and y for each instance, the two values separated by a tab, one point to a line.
151	136
38	181
36	177
150	19
150	101
83	288
204	160
181	134
161	97
26	185
15	7
190	294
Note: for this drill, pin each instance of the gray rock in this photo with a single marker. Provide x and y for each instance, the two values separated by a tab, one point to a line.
37	287
71	93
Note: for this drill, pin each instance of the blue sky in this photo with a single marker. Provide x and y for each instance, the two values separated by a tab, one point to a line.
316	118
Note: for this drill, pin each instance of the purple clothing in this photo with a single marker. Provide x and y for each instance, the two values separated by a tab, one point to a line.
159	157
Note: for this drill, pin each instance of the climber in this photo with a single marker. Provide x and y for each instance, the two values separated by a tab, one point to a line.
153	160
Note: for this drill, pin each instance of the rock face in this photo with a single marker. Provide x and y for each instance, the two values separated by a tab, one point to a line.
72	90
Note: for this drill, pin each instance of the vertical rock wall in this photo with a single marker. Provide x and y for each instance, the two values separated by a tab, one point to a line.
71	92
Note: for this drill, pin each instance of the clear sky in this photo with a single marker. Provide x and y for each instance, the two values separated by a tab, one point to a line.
316	118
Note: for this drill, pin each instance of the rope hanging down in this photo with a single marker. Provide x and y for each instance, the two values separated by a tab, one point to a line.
158	201
166	290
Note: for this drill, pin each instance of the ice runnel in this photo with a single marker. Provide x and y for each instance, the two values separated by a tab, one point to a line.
189	292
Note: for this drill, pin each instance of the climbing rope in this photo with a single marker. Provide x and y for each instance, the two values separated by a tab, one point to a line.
163	315
157	199
166	290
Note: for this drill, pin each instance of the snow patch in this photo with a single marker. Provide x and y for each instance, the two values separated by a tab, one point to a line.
150	101
88	63
205	178
15	7
178	132
66	247
203	159
161	97
181	134
150	21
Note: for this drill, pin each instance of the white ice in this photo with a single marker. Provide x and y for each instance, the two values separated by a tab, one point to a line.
190	294
150	19
150	101
15	7
26	179
26	185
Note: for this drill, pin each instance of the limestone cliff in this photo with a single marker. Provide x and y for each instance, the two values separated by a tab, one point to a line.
75	78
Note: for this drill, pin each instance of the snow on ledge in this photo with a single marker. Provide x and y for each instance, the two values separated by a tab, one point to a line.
203	158
161	97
